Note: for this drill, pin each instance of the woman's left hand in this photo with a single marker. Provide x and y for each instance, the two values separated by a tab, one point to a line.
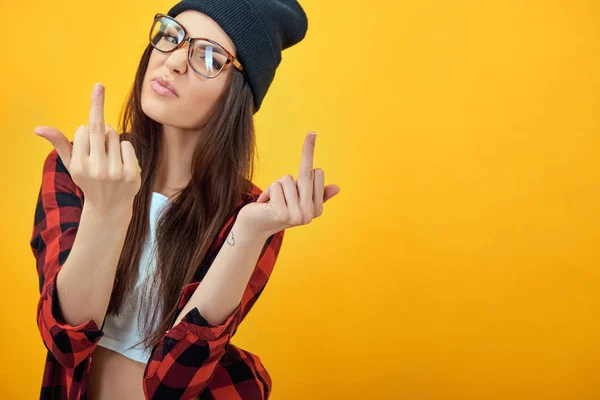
286	202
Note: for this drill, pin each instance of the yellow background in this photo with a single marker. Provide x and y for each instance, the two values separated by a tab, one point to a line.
459	261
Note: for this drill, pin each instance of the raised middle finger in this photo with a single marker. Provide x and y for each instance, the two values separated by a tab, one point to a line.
96	123
306	172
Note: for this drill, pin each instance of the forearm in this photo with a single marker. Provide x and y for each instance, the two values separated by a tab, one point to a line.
85	281
222	288
209	317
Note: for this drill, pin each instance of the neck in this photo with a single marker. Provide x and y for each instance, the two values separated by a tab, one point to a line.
178	146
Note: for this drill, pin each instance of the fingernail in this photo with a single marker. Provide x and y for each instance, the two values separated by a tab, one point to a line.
313	137
98	89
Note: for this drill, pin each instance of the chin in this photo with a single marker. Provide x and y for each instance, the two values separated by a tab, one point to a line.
155	111
154	108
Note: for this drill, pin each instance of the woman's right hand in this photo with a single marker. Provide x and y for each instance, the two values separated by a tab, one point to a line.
106	170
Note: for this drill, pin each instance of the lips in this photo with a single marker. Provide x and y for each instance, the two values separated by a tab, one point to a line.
165	84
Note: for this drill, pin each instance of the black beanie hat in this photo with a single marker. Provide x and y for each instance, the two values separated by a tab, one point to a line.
259	29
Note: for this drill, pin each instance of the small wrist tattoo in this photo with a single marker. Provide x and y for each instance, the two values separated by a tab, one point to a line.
231	239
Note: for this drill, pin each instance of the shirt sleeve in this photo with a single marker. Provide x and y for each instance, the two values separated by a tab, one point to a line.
239	375
183	363
57	214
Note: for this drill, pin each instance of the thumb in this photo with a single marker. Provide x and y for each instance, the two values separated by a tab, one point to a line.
63	146
264	196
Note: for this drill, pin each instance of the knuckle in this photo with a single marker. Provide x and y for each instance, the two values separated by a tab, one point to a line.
99	173
75	170
78	165
97	127
281	216
116	174
319	209
297	218
306	219
131	175
80	131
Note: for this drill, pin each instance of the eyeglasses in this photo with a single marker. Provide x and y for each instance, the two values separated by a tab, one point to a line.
206	57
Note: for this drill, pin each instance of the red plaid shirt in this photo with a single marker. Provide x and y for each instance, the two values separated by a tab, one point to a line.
194	359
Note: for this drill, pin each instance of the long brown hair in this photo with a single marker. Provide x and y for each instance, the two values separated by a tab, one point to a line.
222	169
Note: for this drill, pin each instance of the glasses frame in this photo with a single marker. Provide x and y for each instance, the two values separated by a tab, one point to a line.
230	57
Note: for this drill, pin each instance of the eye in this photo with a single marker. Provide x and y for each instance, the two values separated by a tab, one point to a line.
216	64
169	37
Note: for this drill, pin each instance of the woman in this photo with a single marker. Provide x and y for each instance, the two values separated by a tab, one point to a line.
161	226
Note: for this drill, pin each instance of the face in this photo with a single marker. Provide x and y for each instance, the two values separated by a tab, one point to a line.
196	95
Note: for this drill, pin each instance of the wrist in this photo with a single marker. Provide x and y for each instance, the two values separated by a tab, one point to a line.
113	216
248	232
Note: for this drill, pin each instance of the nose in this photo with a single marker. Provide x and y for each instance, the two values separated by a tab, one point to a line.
177	60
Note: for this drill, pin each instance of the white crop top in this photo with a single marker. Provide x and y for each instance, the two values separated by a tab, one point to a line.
120	333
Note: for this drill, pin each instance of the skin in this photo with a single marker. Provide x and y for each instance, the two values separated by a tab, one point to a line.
183	119
285	203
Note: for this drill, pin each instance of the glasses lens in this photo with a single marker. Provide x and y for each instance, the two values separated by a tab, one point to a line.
207	58
165	34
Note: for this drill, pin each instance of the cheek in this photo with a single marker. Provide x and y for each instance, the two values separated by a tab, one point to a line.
155	62
201	99
206	91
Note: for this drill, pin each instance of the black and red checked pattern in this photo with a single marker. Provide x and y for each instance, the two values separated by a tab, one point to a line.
194	359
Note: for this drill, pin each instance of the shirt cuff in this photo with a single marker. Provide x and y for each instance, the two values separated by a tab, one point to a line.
200	327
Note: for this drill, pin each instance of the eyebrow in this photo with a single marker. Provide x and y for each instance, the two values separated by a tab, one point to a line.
187	31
